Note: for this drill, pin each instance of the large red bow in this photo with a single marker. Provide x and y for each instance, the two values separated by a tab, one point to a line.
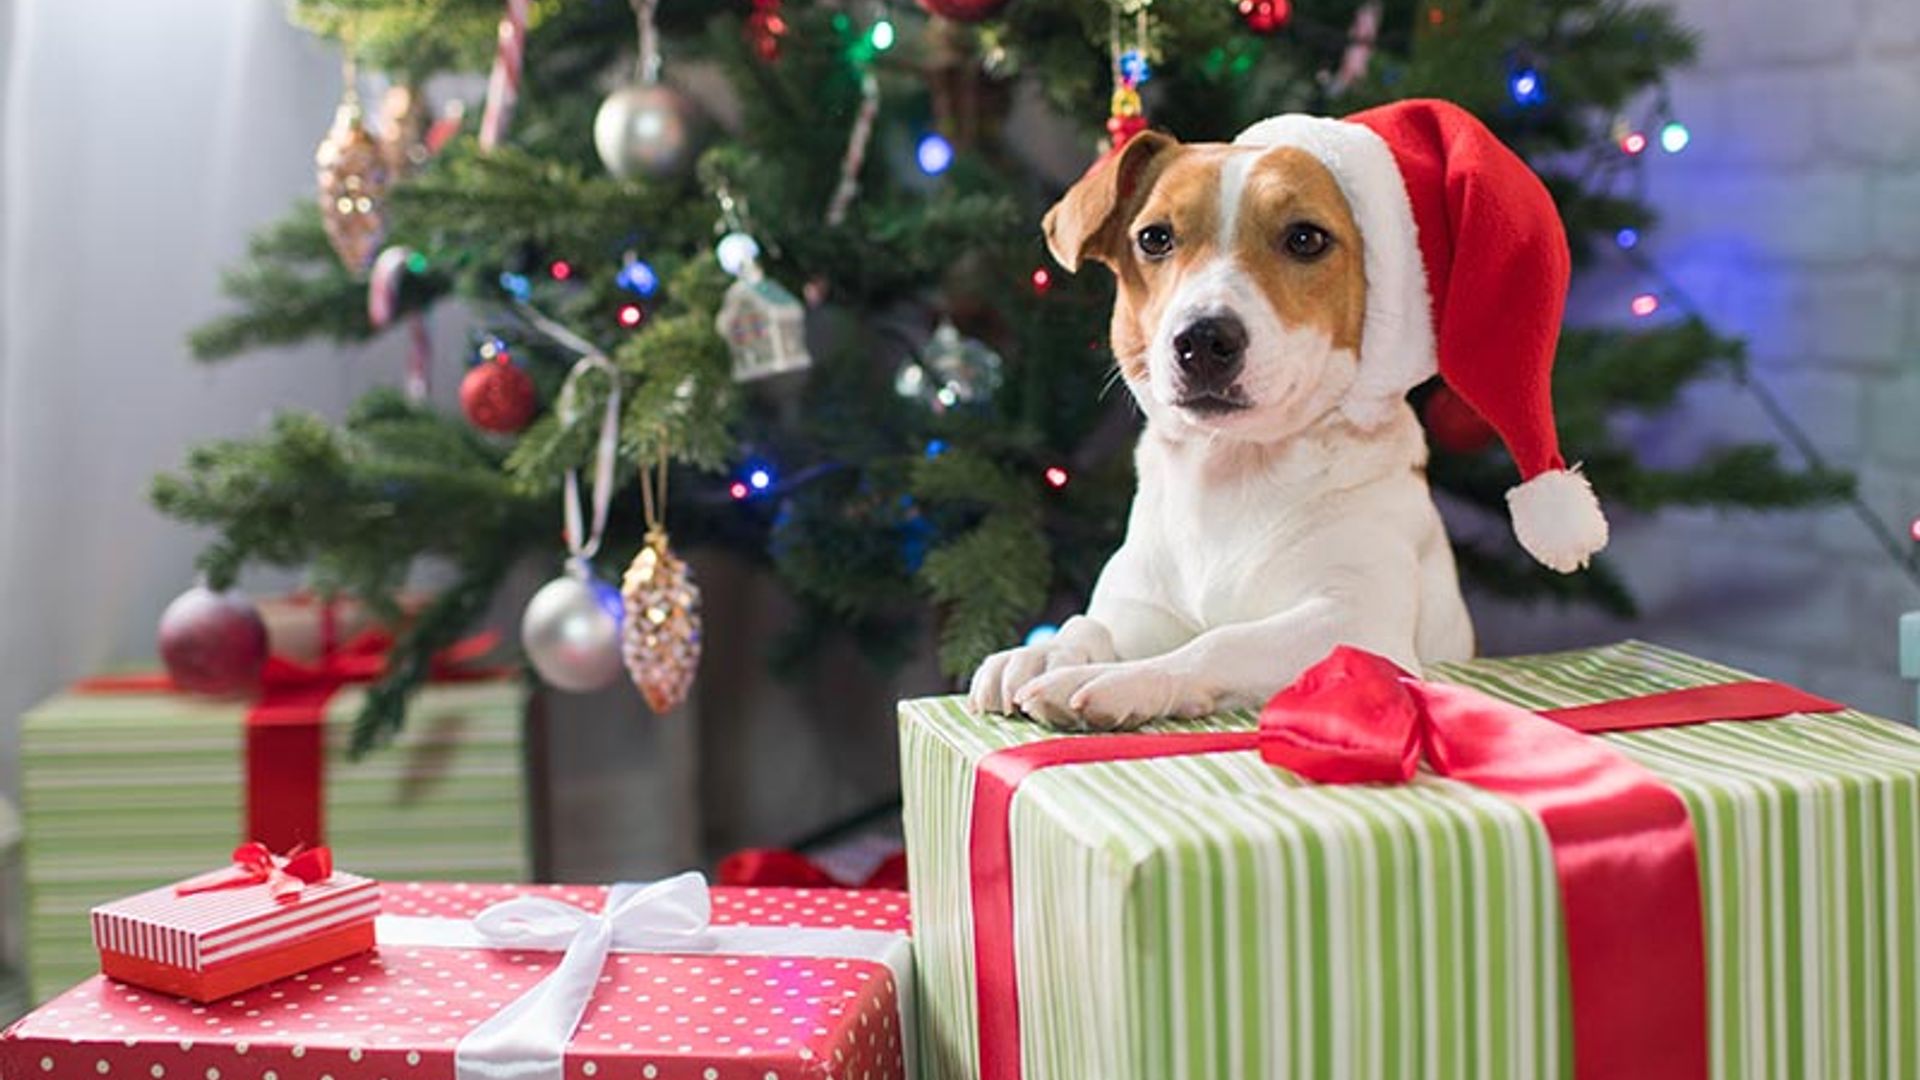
285	876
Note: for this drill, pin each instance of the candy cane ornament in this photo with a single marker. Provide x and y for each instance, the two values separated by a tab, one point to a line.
503	84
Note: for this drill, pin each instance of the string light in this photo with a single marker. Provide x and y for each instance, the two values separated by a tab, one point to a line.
1628	238
934	154
416	263
1042	280
561	269
1674	136
630	315
738	490
1526	87
1042	632
1633	143
637	277
1644	305
1913	530
1056	477
516	285
760	479
936	447
881	36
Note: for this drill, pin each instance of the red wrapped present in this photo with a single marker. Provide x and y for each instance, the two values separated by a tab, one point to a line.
663	982
263	918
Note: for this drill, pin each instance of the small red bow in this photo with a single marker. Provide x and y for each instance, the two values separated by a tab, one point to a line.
285	876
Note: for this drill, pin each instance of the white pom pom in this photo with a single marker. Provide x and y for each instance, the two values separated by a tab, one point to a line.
1558	519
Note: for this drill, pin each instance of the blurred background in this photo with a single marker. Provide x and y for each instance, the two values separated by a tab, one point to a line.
142	144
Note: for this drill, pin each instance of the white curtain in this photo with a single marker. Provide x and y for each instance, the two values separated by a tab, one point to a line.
140	141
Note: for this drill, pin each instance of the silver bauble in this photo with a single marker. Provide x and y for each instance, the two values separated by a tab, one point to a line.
571	633
647	130
952	371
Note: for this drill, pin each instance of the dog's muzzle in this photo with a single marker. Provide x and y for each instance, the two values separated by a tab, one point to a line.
1211	352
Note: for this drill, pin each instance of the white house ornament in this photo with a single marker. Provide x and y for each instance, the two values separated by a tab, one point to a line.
353	175
953	371
764	325
662	636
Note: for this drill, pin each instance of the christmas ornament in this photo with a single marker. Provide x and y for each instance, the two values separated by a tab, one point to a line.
965	11
503	83
951	372
1126	115
662	636
213	642
496	395
383	303
856	152
765	327
1453	424
571	629
1358	55
1265	16
647	131
646	128
352	174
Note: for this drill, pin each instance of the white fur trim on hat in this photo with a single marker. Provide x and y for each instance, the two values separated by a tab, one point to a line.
1396	342
1558	520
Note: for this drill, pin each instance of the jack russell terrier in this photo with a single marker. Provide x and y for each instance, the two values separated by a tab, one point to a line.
1276	299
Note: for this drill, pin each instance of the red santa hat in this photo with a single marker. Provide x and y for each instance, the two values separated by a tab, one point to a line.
1467	264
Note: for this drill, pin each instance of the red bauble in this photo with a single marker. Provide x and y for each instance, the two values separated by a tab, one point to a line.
497	396
1454	425
213	642
1265	16
966	11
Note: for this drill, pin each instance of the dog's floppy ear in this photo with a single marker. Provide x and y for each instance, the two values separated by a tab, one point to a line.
1081	225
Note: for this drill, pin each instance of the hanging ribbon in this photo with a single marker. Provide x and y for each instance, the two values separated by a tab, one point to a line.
1622	845
583	536
285	876
527	1039
285	727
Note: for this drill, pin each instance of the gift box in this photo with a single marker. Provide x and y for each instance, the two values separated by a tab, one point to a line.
1126	908
791	984
263	918
125	782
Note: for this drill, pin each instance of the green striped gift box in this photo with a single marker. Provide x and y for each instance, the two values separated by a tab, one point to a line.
1211	917
123	792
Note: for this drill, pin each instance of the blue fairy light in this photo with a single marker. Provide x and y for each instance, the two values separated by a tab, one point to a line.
516	285
760	478
936	447
1526	86
934	154
1628	239
1674	137
638	278
1045	631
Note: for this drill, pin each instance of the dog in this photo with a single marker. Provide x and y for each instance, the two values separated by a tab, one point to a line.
1270	523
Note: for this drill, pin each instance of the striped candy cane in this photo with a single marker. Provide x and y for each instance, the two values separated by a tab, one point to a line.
503	85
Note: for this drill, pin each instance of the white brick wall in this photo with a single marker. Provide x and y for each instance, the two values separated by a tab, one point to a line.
1794	218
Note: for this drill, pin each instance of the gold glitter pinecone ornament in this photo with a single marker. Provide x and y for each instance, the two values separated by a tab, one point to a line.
353	179
661	640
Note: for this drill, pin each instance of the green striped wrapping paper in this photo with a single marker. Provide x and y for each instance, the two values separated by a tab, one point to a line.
1211	917
124	792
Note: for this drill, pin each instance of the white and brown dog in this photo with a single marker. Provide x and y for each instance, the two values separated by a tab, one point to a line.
1272	311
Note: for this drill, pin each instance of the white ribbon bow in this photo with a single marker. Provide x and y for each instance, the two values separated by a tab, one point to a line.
527	1040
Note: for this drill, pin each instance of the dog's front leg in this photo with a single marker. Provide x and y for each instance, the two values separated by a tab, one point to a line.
1081	641
1229	667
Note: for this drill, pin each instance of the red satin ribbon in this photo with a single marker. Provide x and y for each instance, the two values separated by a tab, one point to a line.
1622	844
255	864
285	736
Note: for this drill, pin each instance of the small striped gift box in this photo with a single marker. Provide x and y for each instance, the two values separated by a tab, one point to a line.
211	945
1211	916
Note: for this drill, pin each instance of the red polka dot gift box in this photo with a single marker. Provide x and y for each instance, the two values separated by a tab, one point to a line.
672	981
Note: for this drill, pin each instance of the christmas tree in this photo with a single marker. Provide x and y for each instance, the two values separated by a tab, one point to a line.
945	450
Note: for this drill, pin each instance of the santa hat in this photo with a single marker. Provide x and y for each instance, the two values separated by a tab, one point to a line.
1466	263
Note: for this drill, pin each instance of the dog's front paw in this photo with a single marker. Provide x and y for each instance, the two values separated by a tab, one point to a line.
1111	697
1079	643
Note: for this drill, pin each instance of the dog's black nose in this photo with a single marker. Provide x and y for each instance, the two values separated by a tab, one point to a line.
1211	350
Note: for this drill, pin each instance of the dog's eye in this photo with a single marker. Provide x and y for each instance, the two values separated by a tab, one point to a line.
1155	241
1303	241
